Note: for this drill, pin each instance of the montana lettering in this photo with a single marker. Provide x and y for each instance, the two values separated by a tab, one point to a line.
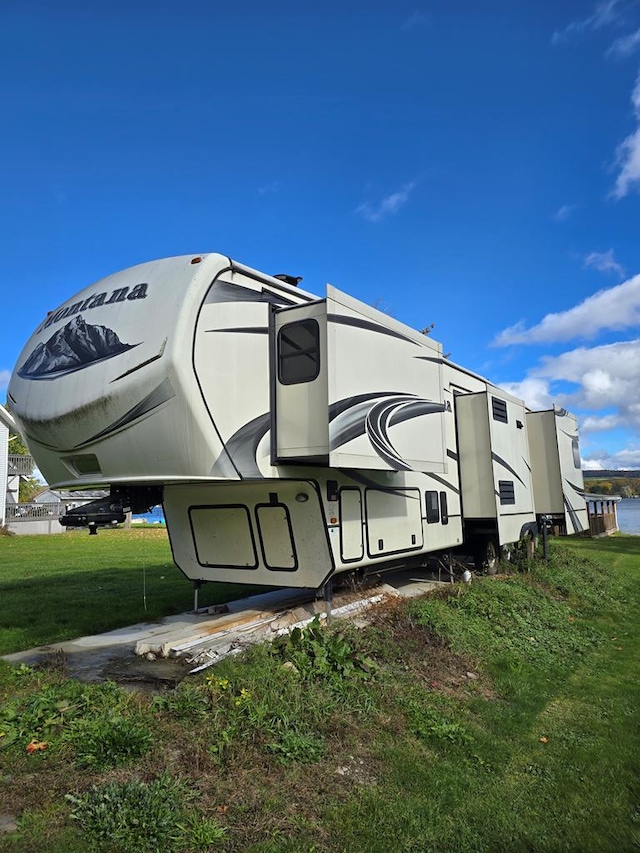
139	291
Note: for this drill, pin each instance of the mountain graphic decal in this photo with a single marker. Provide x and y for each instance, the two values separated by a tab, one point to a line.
74	347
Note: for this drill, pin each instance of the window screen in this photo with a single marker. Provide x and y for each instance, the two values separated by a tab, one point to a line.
433	508
499	408
299	352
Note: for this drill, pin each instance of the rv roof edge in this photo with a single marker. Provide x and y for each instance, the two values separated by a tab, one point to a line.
272	281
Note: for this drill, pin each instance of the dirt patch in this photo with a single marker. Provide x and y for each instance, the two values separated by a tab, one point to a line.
426	657
117	664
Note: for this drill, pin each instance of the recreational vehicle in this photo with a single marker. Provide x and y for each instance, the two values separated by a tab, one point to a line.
288	437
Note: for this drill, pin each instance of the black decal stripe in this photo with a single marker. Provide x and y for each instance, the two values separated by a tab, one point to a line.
571	435
414	409
142	364
573	515
578	489
443	482
356	416
162	394
368	325
376	430
242	448
506	465
452	455
348	416
245	330
340	406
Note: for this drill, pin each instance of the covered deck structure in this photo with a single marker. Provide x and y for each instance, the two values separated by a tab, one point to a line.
602	513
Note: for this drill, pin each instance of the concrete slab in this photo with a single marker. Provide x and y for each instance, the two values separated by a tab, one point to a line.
146	652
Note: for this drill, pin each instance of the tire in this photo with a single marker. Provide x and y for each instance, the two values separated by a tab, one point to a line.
486	556
507	553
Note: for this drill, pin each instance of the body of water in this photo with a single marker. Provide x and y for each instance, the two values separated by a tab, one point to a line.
154	516
629	515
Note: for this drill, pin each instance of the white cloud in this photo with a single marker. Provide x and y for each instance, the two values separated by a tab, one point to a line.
535	392
602	385
605	13
5	376
627	459
628	153
604	262
389	206
564	212
591	465
604	378
624	45
599	423
613	308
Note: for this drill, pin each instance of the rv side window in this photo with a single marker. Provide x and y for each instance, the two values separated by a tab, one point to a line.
433	508
444	509
575	449
298	352
499	408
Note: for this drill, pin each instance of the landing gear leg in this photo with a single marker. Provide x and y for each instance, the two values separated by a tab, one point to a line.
196	592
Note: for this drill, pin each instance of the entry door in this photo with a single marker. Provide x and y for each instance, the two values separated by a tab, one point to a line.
300	420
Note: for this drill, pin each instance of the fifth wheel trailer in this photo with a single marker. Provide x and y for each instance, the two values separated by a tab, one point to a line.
288	437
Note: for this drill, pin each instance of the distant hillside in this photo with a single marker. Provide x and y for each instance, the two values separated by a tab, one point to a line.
608	475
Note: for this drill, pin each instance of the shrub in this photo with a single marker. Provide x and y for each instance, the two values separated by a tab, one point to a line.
105	742
133	817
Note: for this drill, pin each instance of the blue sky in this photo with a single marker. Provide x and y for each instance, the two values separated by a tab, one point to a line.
473	165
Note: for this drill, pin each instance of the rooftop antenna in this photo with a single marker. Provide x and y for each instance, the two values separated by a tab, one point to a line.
293	280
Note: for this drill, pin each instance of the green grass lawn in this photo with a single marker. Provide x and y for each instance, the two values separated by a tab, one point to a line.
500	716
55	588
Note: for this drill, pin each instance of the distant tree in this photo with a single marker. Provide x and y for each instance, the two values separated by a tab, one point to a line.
17	447
29	488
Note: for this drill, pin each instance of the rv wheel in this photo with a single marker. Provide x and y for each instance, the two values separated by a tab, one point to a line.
486	556
507	553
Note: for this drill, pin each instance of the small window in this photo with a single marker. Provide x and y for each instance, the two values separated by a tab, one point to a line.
499	408
299	352
575	449
444	509
433	508
507	492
